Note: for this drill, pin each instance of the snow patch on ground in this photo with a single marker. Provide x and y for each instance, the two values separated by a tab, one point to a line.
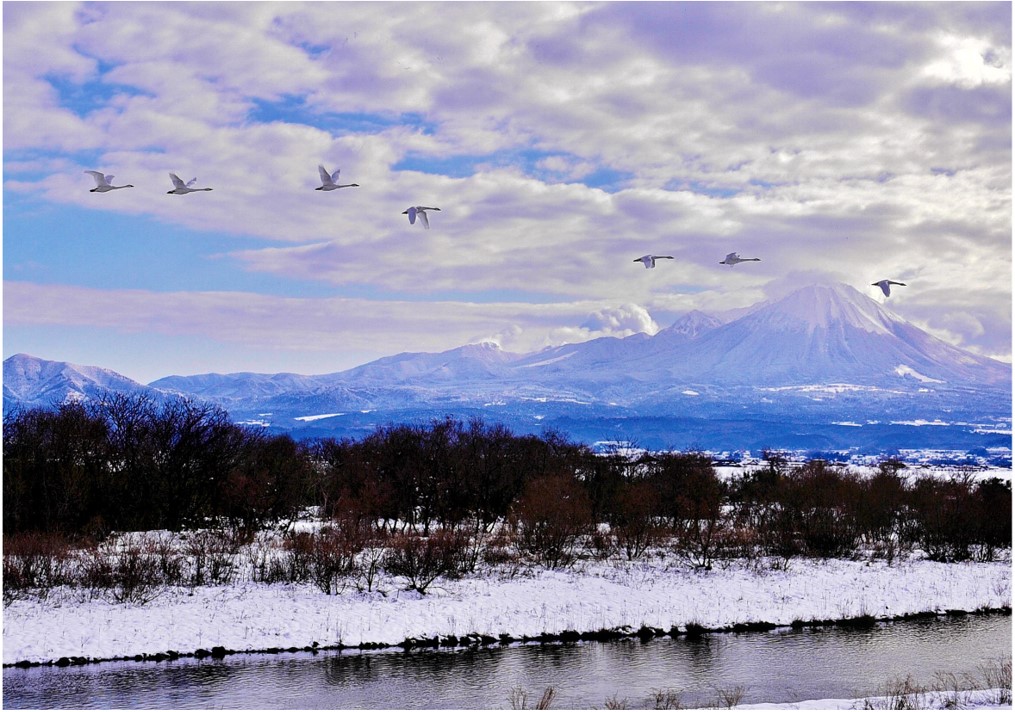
920	422
311	418
904	370
548	361
969	699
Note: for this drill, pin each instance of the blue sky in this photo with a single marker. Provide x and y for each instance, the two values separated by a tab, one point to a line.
842	141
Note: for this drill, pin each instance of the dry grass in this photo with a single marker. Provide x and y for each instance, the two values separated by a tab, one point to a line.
519	699
948	691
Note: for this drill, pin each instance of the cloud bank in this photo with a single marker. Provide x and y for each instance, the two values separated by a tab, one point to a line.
560	140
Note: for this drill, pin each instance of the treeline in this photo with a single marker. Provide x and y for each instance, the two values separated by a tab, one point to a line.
133	463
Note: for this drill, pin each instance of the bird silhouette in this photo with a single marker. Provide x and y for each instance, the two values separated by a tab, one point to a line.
103	183
734	258
183	188
330	181
885	285
418	210
650	260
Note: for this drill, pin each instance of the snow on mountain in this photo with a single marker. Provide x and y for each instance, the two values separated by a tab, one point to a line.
691	325
818	356
31	382
819	333
606	355
595	356
237	385
484	360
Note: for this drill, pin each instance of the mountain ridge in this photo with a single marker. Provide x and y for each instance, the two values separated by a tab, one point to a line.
823	353
30	381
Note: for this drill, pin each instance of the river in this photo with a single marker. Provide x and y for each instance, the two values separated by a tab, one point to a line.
779	666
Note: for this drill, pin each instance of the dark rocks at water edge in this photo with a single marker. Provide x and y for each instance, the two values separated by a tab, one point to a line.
474	640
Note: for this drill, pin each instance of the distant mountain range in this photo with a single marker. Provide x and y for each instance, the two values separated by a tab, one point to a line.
824	367
31	382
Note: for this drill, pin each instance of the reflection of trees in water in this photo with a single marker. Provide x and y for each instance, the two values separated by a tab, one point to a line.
445	669
702	653
205	674
348	669
554	655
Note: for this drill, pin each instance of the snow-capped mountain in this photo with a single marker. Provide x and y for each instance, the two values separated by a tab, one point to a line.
690	326
818	334
801	368
31	382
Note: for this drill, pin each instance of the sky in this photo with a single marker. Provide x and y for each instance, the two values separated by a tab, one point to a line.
849	142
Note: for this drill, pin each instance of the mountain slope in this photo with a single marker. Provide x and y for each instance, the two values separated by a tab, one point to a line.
795	368
474	361
824	334
34	382
817	334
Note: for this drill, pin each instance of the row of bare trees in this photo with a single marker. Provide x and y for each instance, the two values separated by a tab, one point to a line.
134	463
139	463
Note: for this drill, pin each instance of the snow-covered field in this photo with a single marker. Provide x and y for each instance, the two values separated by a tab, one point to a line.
250	616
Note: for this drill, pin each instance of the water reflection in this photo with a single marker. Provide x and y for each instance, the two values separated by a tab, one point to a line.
778	666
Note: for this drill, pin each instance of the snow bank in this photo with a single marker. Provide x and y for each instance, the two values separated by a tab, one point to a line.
966	700
251	616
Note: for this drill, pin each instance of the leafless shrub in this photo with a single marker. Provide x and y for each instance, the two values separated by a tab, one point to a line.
635	525
898	694
422	560
211	558
952	691
601	545
260	554
473	536
667	700
613	703
500	549
161	546
130	570
997	676
729	697
737	542
369	565
295	564
553	515
546	701
333	555
34	562
519	699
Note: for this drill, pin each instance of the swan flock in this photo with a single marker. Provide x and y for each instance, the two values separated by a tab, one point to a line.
329	182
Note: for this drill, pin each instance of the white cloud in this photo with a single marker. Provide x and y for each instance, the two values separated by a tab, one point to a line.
819	137
322	325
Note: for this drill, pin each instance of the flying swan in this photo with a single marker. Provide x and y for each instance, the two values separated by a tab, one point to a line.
418	210
103	184
734	258
330	181
885	286
650	260
181	187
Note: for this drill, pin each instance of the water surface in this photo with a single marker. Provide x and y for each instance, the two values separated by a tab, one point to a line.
777	666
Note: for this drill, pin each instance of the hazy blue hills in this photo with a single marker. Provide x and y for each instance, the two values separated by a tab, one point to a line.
822	368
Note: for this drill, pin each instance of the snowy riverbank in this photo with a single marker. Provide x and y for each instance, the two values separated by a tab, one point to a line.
253	616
